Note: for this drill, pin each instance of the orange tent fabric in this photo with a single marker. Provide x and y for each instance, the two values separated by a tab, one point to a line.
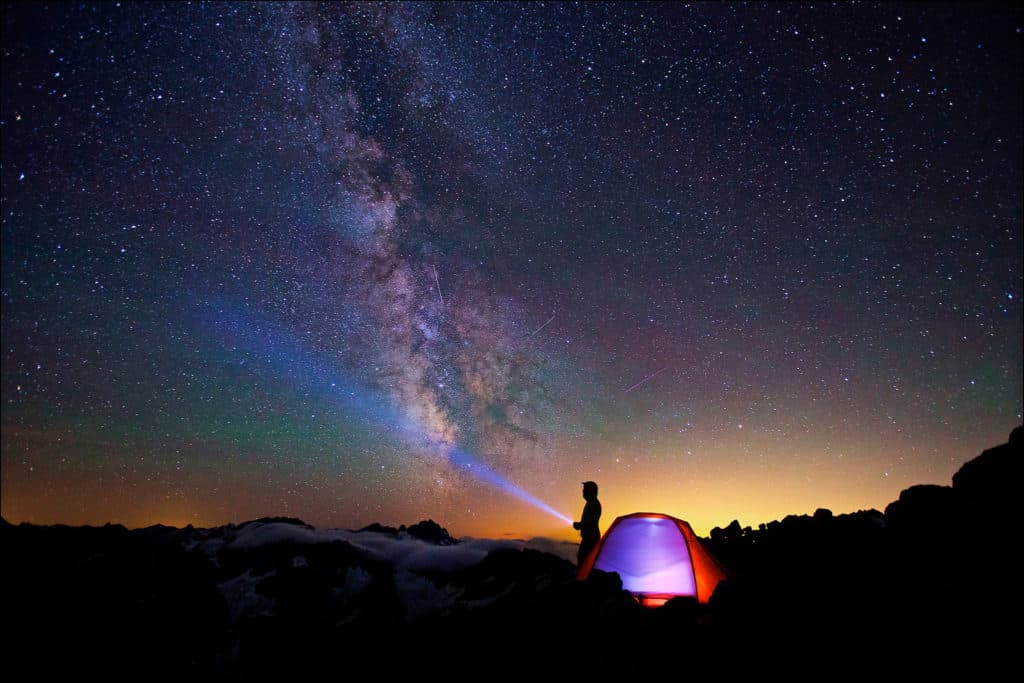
658	557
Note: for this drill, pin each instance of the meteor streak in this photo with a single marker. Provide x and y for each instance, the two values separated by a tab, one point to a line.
438	286
542	326
645	379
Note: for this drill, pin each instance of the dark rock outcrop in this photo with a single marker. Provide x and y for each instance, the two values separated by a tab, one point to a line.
276	520
992	481
431	532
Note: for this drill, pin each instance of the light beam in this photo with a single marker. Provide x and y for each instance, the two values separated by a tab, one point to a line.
286	356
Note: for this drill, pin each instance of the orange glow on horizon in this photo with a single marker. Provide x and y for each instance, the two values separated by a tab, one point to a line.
713	487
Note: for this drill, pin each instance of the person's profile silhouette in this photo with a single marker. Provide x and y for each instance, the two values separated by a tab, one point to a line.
590	533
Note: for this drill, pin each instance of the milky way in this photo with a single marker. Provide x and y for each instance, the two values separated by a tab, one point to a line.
388	262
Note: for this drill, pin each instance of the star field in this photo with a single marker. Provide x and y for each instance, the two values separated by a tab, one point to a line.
358	262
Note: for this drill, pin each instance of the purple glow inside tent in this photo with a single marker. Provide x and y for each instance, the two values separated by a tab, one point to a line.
651	556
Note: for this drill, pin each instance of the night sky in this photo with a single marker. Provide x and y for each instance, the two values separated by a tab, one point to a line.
361	263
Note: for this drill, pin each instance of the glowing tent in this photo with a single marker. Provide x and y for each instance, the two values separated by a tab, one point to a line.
658	557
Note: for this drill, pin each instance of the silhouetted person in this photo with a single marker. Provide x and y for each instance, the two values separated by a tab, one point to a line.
590	534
